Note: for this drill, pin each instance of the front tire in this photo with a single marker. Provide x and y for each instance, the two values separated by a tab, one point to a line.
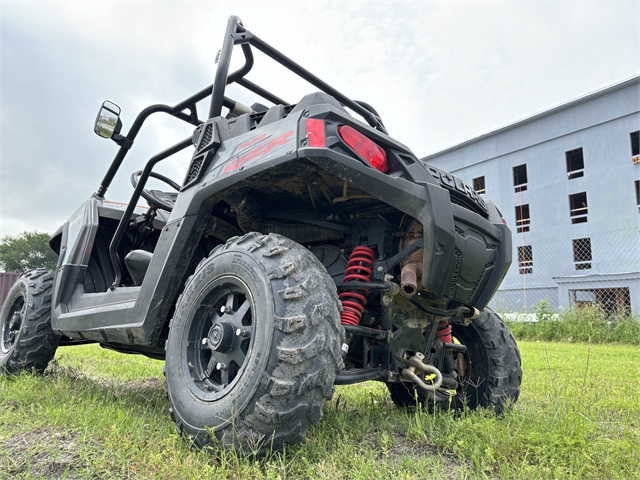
27	341
254	346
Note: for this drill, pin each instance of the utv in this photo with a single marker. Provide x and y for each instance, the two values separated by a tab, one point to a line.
304	249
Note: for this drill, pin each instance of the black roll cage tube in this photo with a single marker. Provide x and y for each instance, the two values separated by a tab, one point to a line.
126	217
235	34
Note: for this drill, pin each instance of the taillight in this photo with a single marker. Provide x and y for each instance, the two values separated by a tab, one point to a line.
315	132
364	147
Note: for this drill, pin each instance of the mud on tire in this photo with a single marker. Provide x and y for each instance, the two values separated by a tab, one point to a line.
27	341
254	346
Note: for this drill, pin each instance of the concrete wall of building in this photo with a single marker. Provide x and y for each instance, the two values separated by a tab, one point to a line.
600	124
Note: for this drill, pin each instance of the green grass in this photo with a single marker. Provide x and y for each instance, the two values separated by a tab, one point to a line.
99	414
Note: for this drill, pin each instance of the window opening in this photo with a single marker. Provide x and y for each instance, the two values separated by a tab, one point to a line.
525	259
612	301
522	218
582	253
575	163
638	194
635	143
478	185
520	177
578	207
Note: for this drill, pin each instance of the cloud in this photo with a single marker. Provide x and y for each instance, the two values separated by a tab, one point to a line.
438	73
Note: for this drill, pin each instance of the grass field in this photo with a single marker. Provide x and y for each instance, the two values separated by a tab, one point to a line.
99	414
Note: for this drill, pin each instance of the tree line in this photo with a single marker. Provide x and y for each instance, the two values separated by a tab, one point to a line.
26	251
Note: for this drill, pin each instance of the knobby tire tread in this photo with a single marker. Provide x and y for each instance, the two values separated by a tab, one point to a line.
293	391
37	342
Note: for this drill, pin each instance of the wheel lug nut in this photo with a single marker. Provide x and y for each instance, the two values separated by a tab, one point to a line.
221	366
241	332
204	341
225	309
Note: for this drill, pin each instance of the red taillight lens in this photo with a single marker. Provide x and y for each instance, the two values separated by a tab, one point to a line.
364	147
315	132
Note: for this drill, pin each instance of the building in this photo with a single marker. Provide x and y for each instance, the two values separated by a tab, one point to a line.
567	181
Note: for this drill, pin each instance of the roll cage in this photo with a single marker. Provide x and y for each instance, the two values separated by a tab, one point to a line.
235	34
186	110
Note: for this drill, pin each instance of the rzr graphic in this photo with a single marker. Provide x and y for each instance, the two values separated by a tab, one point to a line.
259	151
327	255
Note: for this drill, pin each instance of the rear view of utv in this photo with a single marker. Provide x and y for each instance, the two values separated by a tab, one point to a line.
305	248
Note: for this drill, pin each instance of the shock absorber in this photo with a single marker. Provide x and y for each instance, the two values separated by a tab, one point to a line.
444	332
359	268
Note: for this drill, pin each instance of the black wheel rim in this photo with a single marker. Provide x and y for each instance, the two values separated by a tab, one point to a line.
11	324
219	338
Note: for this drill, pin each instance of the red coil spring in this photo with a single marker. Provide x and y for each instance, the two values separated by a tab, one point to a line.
359	268
444	332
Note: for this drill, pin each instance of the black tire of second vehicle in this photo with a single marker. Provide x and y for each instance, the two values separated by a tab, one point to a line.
290	367
494	367
34	343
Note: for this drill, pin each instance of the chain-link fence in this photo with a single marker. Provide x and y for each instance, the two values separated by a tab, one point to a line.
600	269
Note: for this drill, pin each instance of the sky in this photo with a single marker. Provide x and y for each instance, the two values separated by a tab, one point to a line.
439	73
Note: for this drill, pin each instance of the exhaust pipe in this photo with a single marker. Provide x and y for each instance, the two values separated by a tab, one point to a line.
409	279
411	267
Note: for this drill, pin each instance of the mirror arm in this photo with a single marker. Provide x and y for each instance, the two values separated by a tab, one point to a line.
133	132
121	140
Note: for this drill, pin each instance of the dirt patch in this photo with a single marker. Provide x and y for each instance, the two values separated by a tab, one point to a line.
146	387
403	447
41	453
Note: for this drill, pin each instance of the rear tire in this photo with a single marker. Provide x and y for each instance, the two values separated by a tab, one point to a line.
254	346
27	341
493	374
494	365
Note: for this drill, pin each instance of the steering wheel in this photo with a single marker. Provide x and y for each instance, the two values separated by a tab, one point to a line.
157	198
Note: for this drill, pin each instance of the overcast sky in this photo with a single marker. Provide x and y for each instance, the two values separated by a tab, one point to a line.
438	72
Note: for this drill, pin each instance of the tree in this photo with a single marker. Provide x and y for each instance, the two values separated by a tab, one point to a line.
26	251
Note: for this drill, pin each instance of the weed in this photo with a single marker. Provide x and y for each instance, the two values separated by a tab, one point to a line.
585	324
544	311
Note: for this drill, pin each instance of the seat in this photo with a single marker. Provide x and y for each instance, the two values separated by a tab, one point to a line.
137	262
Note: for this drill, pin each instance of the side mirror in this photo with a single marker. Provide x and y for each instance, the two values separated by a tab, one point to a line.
108	120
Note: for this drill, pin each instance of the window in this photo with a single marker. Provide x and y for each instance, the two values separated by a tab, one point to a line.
522	218
582	253
525	259
520	177
635	143
638	194
575	163
612	301
478	185
578	207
